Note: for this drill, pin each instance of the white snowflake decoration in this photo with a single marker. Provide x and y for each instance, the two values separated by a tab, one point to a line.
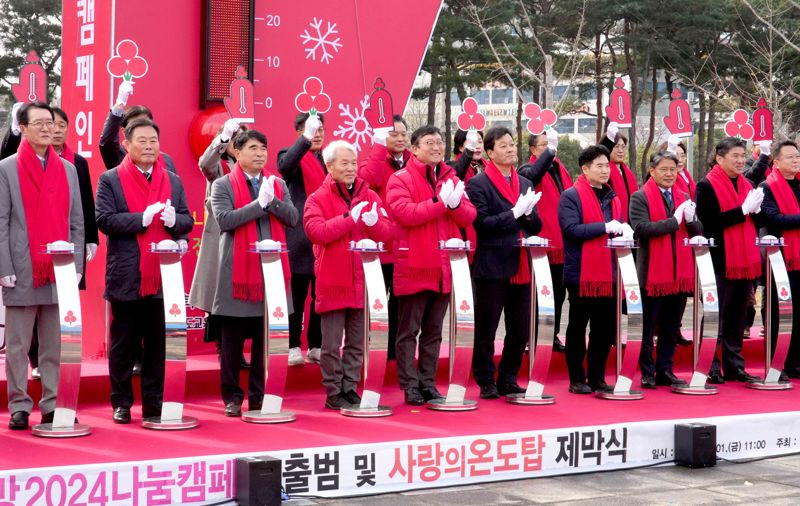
354	126
319	41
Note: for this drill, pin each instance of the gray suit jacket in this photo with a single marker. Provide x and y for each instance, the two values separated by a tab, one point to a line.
229	219
15	255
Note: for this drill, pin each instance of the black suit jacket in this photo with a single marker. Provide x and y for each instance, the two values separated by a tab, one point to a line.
497	251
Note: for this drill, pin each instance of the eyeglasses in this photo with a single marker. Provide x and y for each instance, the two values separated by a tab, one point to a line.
432	144
39	123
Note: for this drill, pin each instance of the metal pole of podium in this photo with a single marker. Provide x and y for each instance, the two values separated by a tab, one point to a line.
69	314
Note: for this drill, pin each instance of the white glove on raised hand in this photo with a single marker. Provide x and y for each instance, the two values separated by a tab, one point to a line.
168	215
124	92
184	246
454	199
627	232
445	191
614	227
355	212
8	281
612	131
150	212
753	201
380	135
91	251
266	192
229	129
311	127
473	137
522	205
672	144
765	147
552	139
690	211
370	218
14	123
679	211
534	199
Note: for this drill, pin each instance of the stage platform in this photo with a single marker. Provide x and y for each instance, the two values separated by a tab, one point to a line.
326	454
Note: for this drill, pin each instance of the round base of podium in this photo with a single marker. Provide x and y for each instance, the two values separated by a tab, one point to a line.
359	412
47	430
690	390
443	405
255	416
763	385
543	400
630	395
155	423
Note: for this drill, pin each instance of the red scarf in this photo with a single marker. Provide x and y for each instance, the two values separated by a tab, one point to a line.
548	210
139	194
684	186
67	154
742	256
787	204
619	185
596	268
510	192
248	281
46	199
313	172
472	168
665	276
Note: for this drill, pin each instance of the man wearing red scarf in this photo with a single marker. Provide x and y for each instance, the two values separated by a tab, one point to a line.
39	203
662	217
138	203
781	210
389	154
501	269
249	206
550	178
729	207
302	168
344	209
622	179
589	214
428	204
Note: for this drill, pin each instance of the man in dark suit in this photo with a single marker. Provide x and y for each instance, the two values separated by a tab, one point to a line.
501	269
662	217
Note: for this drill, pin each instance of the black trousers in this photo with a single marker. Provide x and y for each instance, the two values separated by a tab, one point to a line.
733	302
662	315
300	284
234	331
600	313
792	363
137	325
388	278
492	296
560	293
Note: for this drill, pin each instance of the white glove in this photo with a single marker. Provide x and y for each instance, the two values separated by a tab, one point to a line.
14	123
455	197
679	211
91	251
765	147
266	192
370	218
184	246
690	211
124	92
522	205
472	140
672	144
380	135
355	212
534	199
168	215
8	281
445	191
311	127
612	131
614	227
150	212
552	139
229	129
752	202
627	232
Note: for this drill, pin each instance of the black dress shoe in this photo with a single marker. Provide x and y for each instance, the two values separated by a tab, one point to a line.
509	388
336	401
233	408
558	347
742	376
784	378
19	420
648	382
122	415
601	387
244	363
352	397
489	392
792	374
668	379
579	387
430	394
715	378
414	397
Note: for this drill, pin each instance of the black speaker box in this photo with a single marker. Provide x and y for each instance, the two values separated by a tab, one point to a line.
258	481
696	445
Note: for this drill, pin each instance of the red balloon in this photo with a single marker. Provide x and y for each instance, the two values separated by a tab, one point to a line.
204	127
740	116
470	106
313	86
532	110
127	49
137	67
549	116
117	66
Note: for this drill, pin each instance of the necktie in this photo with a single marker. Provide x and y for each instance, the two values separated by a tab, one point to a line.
148	175
668	198
255	183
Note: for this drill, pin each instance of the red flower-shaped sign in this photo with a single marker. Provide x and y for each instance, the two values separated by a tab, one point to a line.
633	296
377	306
464	306
70	318
545	291
739	126
471	119
278	313
312	100
174	310
710	298
127	63
539	120
784	293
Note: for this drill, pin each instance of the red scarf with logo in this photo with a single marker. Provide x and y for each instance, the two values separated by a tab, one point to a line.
671	270
742	256
624	188
787	204
596	261
313	172
548	210
46	199
139	194
248	281
683	185
510	192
